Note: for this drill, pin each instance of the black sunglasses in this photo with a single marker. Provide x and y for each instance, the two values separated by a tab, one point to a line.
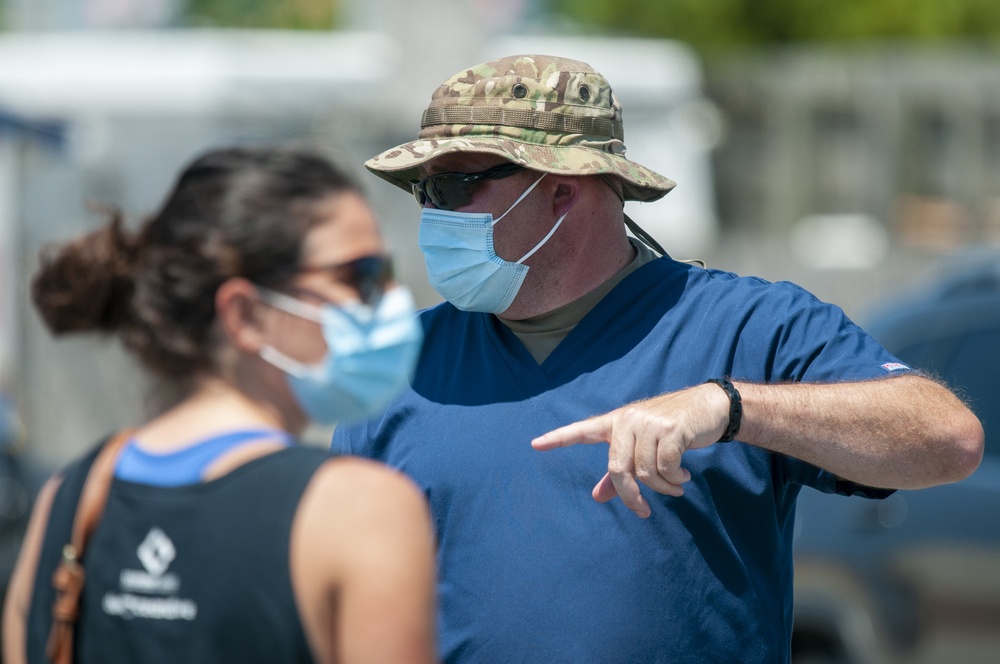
448	191
368	275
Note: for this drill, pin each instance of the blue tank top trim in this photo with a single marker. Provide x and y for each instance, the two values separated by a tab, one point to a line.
187	466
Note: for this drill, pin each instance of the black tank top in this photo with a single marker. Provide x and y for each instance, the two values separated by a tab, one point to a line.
195	573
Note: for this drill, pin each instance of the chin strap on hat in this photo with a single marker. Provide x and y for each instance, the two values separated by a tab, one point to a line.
646	238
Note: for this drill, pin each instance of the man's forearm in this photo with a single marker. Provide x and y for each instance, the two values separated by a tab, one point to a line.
905	432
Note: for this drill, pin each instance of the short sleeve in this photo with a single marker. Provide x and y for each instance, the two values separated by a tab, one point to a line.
815	341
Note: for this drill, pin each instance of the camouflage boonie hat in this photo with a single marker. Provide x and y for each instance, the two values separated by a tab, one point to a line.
546	113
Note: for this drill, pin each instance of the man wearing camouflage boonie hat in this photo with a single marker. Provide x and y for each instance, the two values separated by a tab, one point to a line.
550	114
558	329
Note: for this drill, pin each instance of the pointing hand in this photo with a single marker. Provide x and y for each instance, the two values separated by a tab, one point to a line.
646	441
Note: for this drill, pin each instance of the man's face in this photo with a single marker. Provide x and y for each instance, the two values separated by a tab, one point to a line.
526	224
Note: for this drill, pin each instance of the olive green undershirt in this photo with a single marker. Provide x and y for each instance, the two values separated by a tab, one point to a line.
541	334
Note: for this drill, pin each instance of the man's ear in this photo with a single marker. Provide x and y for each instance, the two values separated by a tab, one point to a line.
565	194
237	306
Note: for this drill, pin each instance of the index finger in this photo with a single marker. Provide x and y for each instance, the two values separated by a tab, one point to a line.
594	430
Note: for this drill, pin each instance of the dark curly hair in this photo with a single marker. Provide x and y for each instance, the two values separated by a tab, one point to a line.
239	212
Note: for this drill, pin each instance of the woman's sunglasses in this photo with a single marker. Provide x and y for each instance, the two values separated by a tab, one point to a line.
447	191
370	276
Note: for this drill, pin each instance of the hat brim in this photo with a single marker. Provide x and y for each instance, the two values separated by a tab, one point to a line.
399	165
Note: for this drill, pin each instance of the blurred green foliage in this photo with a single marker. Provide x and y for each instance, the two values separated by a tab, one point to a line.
280	14
716	24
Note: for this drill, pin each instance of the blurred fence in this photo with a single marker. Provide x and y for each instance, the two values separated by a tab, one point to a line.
909	136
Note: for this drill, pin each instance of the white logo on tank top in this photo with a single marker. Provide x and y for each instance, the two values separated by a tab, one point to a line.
156	552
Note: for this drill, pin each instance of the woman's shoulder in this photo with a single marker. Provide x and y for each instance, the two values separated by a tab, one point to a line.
361	501
348	477
358	517
363	549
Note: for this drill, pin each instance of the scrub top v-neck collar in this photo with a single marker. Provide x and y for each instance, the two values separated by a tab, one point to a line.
542	334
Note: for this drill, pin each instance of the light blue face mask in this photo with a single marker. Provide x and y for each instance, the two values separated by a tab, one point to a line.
371	355
463	266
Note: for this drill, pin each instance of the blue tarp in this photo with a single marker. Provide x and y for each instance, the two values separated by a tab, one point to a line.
50	132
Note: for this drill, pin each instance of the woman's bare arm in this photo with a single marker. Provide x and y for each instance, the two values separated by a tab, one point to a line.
363	566
18	600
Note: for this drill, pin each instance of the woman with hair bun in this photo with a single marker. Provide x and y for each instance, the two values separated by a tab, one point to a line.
262	290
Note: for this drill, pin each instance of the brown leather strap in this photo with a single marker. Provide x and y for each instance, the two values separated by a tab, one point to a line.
68	577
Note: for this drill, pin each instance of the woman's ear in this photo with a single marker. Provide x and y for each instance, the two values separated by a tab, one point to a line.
236	306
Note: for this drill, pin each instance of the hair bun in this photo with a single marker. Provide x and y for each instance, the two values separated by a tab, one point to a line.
87	284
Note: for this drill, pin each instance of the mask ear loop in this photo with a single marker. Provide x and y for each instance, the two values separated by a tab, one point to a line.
544	239
276	358
520	198
291	305
288	304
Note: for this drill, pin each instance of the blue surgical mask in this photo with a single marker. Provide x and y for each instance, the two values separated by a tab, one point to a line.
463	266
371	355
